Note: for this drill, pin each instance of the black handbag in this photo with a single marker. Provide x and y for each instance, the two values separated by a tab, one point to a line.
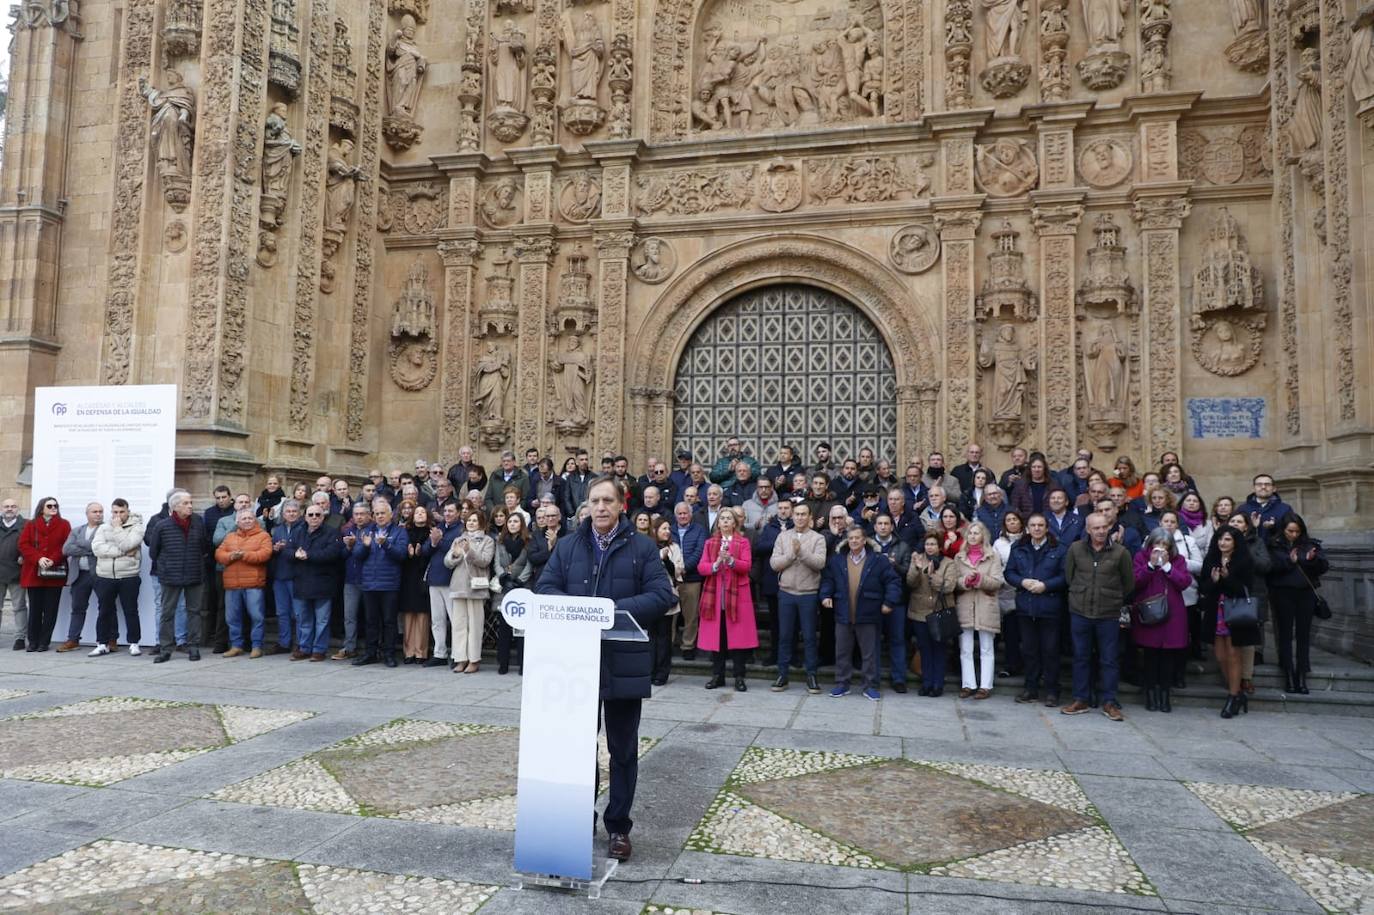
943	624
1242	611
1321	610
1152	610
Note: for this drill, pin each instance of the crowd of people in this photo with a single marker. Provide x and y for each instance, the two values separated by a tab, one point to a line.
1129	573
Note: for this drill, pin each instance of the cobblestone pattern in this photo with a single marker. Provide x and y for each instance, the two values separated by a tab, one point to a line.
1252	806
341	891
1089	859
767	763
413	731
14	693
1335	885
268	890
735	826
483	813
101	706
654	908
1058	789
303	785
100	771
243	723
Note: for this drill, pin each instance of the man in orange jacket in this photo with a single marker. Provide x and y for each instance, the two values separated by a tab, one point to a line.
244	553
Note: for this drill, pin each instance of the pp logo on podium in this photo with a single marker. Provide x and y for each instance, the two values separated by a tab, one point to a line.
514	608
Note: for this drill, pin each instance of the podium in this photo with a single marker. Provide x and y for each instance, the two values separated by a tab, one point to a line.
556	777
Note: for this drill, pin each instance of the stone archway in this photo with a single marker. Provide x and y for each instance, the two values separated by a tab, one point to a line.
903	321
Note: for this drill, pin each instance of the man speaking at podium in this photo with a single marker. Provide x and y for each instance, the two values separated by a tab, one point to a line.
604	557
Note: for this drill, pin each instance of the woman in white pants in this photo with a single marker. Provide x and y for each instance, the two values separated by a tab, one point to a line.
470	558
977	579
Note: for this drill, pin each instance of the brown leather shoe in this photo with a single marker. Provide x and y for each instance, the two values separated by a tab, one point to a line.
965	693
318	656
233	652
1076	707
619	847
299	656
113	646
1113	711
982	694
69	645
342	655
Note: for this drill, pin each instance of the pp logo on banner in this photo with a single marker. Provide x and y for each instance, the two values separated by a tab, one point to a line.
59	409
514	608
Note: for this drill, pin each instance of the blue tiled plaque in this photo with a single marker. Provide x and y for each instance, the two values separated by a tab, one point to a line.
1226	417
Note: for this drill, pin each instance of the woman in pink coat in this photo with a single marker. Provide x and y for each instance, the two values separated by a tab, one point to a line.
727	609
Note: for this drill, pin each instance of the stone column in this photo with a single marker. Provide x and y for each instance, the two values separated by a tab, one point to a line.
534	250
908	421
1160	211
1056	217
928	393
460	277
613	243
231	108
537	163
958	235
32	201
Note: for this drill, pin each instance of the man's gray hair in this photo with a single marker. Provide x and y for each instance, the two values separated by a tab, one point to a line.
243	511
320	498
176	496
507	454
292	503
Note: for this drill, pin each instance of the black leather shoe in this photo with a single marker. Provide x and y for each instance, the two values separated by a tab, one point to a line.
1027	696
716	682
436	662
689	655
899	686
364	660
390	660
937	692
619	846
503	669
1052	701
31	649
162	657
18	644
779	684
1165	702
923	691
193	654
1151	699
1301	680
813	686
1229	709
740	685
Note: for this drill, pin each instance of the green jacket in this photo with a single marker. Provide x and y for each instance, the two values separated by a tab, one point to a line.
1099	583
722	474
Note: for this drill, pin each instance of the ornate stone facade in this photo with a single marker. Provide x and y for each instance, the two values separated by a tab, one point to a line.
1069	222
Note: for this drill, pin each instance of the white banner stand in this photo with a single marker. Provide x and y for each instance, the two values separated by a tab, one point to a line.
556	787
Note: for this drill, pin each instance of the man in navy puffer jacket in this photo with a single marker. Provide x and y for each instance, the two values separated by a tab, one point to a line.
604	557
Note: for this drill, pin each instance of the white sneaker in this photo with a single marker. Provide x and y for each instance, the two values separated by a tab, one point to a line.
135	650
98	651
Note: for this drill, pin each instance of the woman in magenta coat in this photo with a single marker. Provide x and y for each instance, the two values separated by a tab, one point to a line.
1160	570
40	546
727	610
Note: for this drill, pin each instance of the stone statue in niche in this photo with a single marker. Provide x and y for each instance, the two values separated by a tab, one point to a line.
1006	168
1305	124
279	152
725	92
501	203
1361	75
1012	364
915	248
580	198
1106	64
653	260
493	380
1250	49
340	189
572	383
1006	72
405	70
856	45
586	47
174	134
1105	384
509	60
871	88
1228	318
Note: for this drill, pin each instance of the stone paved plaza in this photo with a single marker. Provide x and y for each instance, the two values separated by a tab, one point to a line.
267	786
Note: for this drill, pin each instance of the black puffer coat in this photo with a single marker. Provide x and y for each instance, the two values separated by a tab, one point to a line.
632	575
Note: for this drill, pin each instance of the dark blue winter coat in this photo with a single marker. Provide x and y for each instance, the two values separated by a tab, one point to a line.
992	517
764	542
281	566
879	586
692	542
178	558
437	575
1069	530
381	562
314	576
1045	564
1271	512
630	573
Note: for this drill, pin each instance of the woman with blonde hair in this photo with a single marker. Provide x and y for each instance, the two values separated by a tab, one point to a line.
470	558
727	606
977	580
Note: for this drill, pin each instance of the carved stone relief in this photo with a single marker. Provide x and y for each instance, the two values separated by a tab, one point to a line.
1006	167
1361	75
1105	162
279	153
620	78
1305	121
340	195
413	350
510	63
492	375
1105	65
653	260
585	44
575	310
1054	44
174	237
1156	22
284	58
958	50
868	179
915	248
416	8
571	369
1006	73
174	134
1250	49
1011	361
1107	288
1229	317
497	316
405	68
780	187
1106	382
579	198
691	192
343	110
1005	289
413	209
470	79
501	202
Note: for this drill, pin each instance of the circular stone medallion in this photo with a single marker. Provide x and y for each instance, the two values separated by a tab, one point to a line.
1223	161
914	248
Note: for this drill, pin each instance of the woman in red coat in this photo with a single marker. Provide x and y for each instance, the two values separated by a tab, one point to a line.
726	608
40	547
